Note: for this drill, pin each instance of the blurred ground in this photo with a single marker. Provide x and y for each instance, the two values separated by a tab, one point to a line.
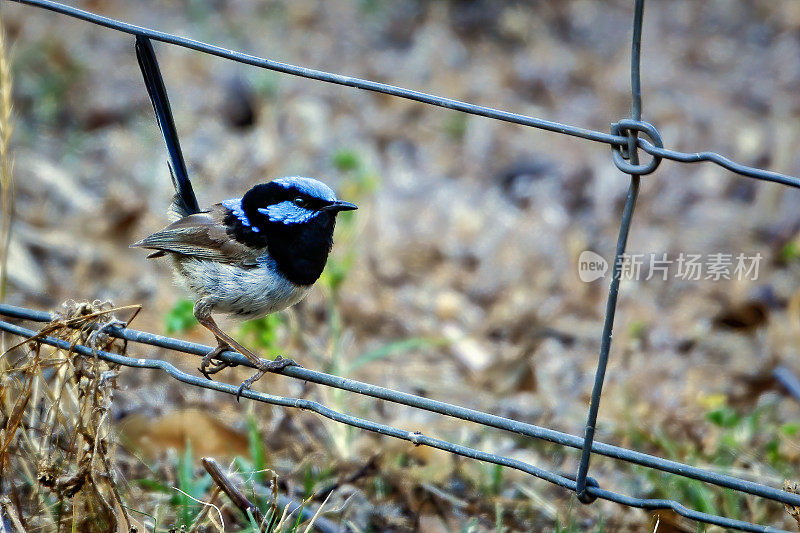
467	237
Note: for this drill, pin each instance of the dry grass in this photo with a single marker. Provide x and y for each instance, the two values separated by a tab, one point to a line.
56	455
6	160
61	467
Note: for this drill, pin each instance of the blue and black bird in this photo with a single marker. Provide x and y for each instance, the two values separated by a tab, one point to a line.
248	256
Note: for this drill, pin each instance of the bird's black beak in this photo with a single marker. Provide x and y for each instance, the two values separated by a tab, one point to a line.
337	206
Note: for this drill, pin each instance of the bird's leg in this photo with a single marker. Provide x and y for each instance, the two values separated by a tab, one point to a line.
202	312
263	366
229	342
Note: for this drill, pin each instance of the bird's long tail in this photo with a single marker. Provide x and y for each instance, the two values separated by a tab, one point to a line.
184	203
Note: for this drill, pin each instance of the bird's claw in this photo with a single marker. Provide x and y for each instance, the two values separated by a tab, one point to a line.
209	369
279	363
206	366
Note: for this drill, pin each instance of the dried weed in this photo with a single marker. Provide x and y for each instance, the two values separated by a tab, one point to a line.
56	415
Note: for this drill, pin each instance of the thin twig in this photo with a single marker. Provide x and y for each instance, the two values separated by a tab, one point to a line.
236	496
364	470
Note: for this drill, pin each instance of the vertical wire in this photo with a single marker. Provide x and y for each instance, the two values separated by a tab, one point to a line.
636	52
622	241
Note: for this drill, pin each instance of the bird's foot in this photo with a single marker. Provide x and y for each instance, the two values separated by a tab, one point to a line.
207	367
264	366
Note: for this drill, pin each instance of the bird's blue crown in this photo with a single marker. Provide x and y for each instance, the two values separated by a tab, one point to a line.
289	200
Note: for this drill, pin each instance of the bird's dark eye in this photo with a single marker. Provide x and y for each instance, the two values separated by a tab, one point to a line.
299	201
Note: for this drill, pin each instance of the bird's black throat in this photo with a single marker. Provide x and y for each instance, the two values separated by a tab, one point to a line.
300	251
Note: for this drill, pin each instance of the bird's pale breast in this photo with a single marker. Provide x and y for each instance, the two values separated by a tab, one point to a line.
247	293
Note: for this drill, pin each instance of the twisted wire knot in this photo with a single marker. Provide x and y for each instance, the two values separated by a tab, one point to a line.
622	154
583	495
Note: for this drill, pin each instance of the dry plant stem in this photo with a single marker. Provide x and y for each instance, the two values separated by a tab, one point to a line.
794	511
6	161
57	433
75	322
237	497
317	514
13	423
205	510
291	506
9	513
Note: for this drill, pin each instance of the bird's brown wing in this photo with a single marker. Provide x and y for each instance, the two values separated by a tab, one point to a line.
202	235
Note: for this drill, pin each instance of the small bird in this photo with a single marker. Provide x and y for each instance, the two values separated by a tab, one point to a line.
248	256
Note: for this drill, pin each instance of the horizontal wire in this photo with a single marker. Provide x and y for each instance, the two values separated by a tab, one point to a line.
426	98
713	157
435	406
329	77
414	437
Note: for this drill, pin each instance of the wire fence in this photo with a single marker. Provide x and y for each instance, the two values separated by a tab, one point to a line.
625	142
